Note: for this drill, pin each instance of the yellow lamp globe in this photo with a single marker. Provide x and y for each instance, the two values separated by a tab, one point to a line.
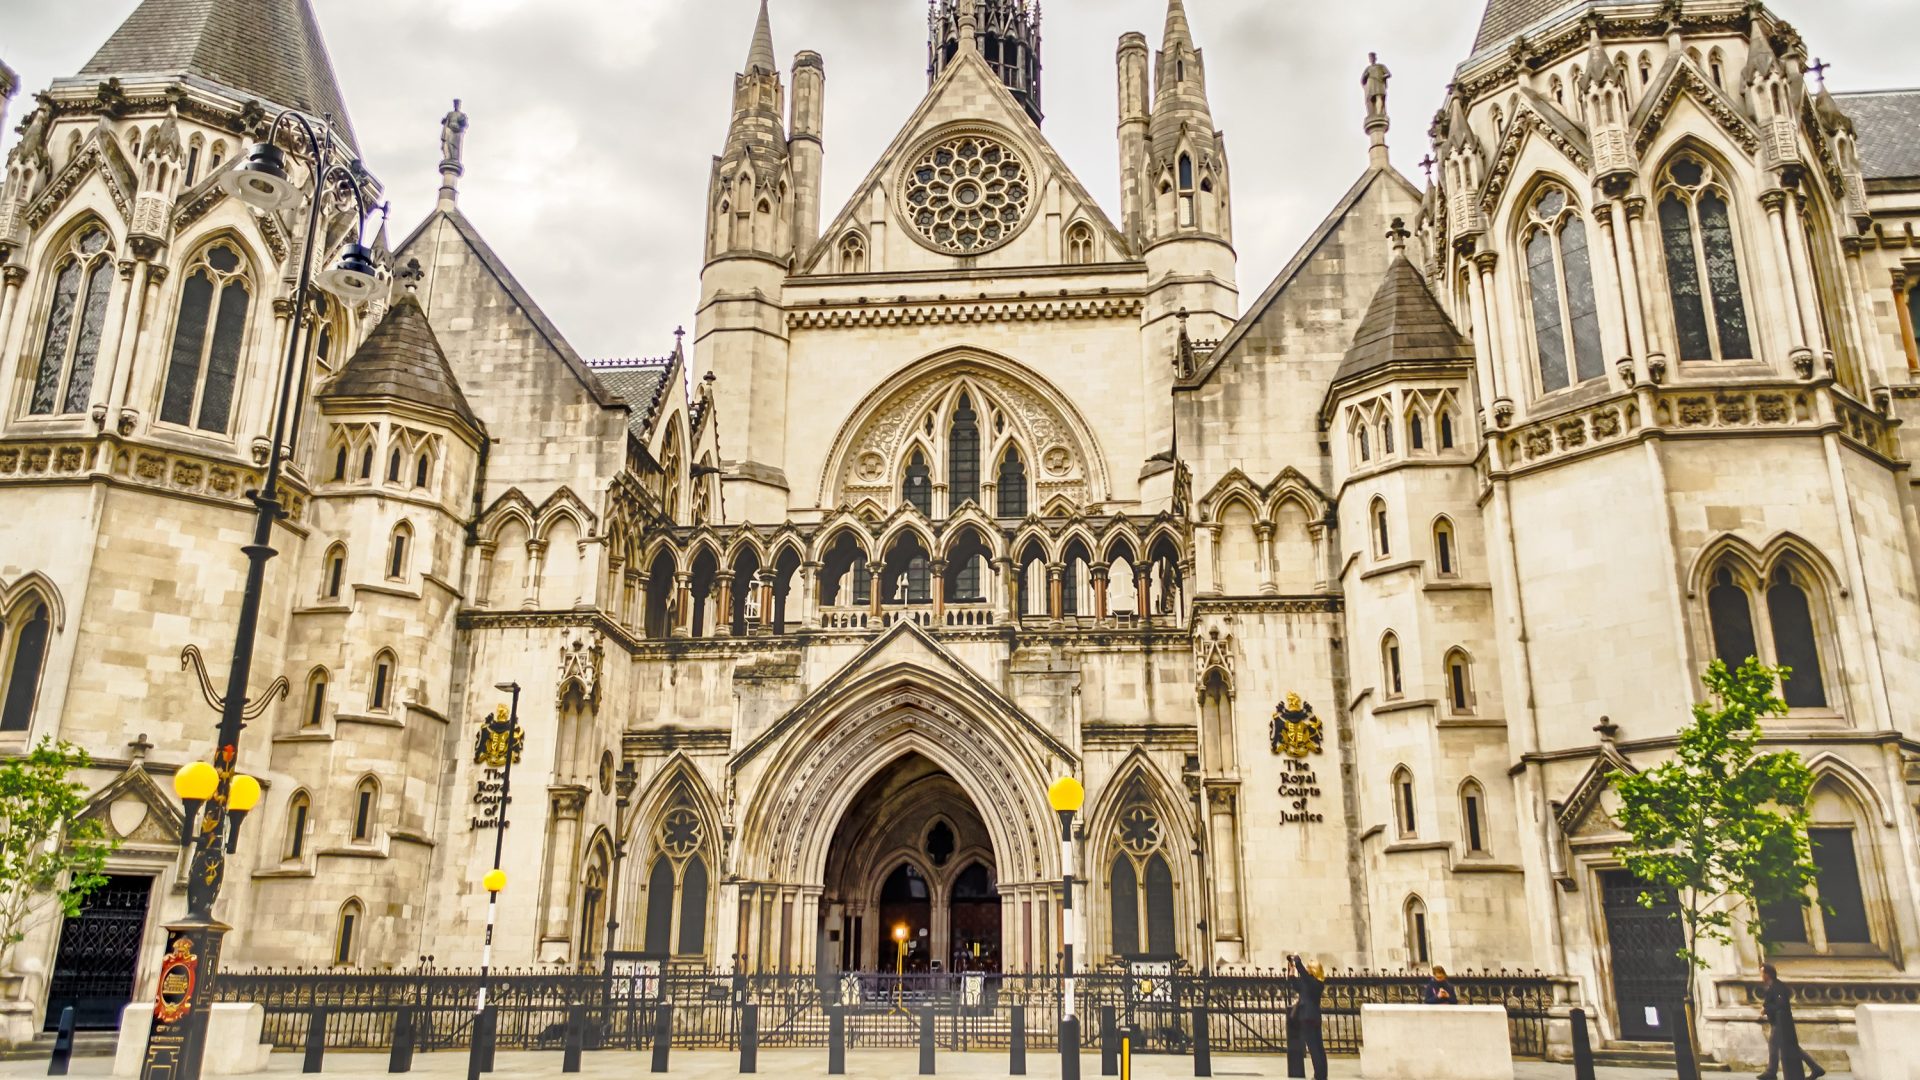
244	795
494	881
196	782
1066	795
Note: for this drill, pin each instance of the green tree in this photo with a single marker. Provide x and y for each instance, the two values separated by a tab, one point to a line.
1720	830
50	860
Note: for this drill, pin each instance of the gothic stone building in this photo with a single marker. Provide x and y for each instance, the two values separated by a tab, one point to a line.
1343	602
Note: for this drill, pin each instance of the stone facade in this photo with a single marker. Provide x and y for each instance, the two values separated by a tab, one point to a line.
1341	605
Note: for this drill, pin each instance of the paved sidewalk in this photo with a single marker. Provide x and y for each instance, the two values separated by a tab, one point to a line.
804	1065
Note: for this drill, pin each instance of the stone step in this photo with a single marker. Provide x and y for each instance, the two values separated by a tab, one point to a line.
85	1044
1645	1055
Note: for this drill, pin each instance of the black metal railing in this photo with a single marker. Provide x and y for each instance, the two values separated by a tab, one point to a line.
1247	1008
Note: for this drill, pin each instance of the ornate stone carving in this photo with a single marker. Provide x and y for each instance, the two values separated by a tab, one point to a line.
1213	652
966	192
581	658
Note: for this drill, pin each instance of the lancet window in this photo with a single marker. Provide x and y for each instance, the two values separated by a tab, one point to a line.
678	883
1703	268
1140	883
207	338
83	279
1566	325
1785	603
23	648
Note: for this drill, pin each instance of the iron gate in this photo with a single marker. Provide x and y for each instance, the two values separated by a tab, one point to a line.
99	952
1649	978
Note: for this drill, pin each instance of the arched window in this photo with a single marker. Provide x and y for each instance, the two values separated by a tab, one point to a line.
1473	817
1012	488
678	883
393	466
1362	442
1140	884
1794	644
1377	523
1390	665
1730	611
82	280
1419	949
297	810
1459	673
366	805
346	935
853	254
421	465
25	637
1839	921
1079	244
316	710
1386	434
366	462
1186	191
382	688
1703	269
659	936
1446	429
1443	548
340	463
207	341
1404	820
1566	325
333	573
398	547
1416	432
917	487
693	907
963	455
1717	67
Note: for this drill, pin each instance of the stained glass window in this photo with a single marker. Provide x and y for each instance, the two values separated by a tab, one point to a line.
1703	267
917	489
1566	324
76	319
205	361
963	455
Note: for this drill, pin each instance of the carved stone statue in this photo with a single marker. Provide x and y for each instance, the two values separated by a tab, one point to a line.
32	147
1375	80
453	132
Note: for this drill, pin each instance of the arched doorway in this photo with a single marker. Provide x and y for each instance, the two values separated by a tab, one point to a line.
911	853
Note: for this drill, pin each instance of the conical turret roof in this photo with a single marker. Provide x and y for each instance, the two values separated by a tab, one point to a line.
402	359
269	49
760	56
1404	324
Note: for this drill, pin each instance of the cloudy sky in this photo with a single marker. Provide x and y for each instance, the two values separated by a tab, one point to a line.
594	121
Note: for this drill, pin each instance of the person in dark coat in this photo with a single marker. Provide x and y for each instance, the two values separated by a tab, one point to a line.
1783	1039
1308	982
1439	991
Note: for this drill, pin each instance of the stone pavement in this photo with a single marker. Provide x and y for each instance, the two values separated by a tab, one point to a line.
799	1064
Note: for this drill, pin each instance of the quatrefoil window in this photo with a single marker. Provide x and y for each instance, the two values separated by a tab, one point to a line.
967	194
680	832
1139	830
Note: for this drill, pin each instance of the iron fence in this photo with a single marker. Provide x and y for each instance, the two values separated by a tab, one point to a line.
975	1011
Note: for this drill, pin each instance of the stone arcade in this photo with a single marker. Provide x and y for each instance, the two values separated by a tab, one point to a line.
1342	602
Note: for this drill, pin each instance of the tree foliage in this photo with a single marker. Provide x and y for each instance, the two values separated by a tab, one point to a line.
1720	830
50	859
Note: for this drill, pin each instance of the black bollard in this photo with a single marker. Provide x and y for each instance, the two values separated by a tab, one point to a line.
1069	1048
1202	1043
400	1058
662	1037
926	1041
62	1045
575	1039
749	1038
1582	1045
1296	1051
836	1040
1109	1042
316	1041
1017	1041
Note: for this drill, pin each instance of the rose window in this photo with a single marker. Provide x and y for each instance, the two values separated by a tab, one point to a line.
967	194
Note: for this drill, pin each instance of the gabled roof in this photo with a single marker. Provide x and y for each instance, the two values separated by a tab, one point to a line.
271	49
1403	325
644	385
1887	123
549	333
402	359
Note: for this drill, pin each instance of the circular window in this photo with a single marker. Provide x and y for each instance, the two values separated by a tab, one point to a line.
966	193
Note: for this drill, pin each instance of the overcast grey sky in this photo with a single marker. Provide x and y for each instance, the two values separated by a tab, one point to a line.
594	121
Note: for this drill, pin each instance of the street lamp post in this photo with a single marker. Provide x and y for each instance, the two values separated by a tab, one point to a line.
1066	795
192	962
900	967
498	748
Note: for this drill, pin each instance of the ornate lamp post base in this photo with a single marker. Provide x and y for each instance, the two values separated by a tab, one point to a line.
180	1010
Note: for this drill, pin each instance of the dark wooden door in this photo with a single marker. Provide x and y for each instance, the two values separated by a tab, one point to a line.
1649	979
99	952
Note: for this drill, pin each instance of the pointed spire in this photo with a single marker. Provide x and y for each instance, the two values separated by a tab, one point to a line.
760	57
1762	61
266	49
1177	28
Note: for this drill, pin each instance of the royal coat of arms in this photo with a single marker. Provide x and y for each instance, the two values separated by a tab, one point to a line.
1296	731
497	734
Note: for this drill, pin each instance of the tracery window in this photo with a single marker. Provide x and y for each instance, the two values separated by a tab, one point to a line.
1566	325
1377	522
853	254
1012	488
83	279
963	455
967	194
1703	269
917	487
1787	597
1140	883
1079	244
23	646
207	339
678	883
1841	919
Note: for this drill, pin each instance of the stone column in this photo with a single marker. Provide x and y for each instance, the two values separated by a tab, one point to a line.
614	603
804	594
1609	305
683	604
1056	600
1143	589
106	364
937	569
563	856
1207	539
1098	574
1483	341
1500	331
143	373
875	570
1619	227
1775	201
1009	590
1901	290
1223	829
634	586
536	568
1804	282
482	586
1322	557
1263	558
12	276
723	604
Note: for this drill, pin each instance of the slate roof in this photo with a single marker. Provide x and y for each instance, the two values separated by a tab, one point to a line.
402	359
1404	324
1887	125
643	384
1506	19
269	48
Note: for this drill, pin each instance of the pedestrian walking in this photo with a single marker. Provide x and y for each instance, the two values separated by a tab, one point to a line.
1308	982
1783	1039
1439	991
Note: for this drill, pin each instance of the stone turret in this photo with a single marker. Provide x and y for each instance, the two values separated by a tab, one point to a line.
1189	158
1136	111
751	188
1607	112
1006	34
807	148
